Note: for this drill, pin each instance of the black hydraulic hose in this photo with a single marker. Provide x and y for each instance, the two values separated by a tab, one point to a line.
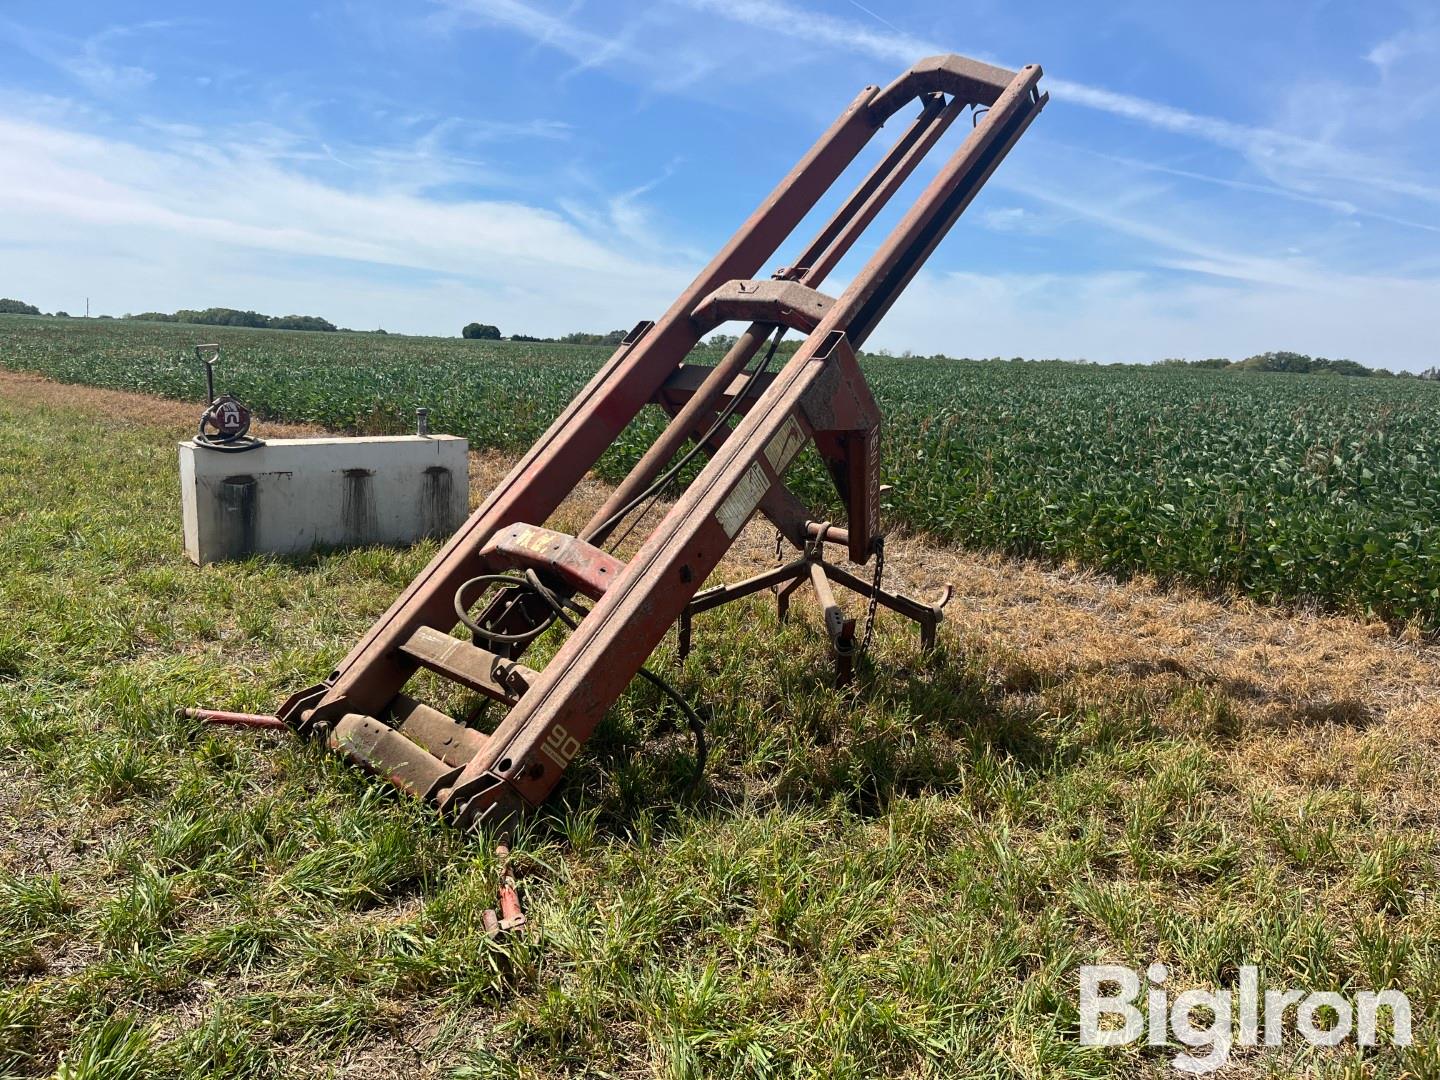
662	482
229	446
531	582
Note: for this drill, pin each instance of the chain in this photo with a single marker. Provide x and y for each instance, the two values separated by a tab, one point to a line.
874	594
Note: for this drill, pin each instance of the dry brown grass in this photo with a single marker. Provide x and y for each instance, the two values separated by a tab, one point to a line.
123	407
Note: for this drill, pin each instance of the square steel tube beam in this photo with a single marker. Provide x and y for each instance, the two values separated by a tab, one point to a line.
960	179
522	762
815	263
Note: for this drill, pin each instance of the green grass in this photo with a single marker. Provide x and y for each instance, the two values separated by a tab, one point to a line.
1322	490
897	881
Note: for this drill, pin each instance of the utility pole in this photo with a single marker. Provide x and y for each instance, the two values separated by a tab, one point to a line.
87	307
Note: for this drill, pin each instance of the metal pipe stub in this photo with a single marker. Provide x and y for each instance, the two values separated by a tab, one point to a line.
221	718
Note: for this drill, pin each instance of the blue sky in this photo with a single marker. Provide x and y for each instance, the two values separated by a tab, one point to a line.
1209	179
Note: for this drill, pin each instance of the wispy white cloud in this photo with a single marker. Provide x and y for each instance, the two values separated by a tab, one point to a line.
87	206
1174	248
1340	206
541	26
1289	159
90	61
1408	43
1015	219
666	71
1301	156
391	230
817	27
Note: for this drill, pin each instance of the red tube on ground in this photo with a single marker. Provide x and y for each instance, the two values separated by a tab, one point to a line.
235	719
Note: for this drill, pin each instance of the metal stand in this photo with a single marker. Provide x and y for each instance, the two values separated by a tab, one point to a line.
813	567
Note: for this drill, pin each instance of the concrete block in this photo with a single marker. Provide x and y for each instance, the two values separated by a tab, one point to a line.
292	495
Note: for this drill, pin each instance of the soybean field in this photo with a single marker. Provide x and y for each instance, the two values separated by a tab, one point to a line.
1315	489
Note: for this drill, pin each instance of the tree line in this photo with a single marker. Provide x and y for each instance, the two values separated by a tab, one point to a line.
217	316
1277	361
1293	362
486	332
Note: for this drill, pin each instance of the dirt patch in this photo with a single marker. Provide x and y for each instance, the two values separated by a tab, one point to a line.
36	839
124	407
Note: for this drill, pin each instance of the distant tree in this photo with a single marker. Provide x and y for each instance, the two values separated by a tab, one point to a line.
62	314
17	307
1342	367
234	317
526	337
481	332
1294	362
1299	363
721	341
580	337
298	322
223	317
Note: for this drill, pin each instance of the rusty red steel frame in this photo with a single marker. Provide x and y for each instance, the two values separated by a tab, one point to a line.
524	576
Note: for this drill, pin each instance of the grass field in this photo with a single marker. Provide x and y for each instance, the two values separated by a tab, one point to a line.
896	882
1313	489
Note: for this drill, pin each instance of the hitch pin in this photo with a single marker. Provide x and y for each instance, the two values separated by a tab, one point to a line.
510	916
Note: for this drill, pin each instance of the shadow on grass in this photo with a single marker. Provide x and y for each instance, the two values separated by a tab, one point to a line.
782	734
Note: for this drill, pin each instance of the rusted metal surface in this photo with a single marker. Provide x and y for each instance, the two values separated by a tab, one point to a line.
235	719
374	672
966	79
689	379
386	752
527	575
773	303
812	568
469	665
435	732
583	567
509	919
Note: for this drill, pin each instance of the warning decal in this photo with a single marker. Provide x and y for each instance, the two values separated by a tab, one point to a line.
741	503
785	445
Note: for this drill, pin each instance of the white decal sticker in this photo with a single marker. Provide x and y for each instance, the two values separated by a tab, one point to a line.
785	445
741	503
